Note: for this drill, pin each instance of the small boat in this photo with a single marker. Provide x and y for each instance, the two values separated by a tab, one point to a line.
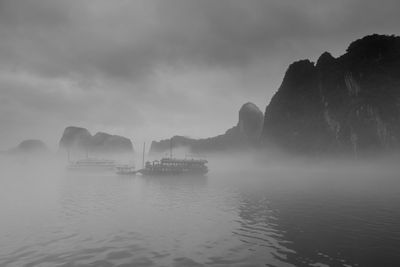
91	164
125	169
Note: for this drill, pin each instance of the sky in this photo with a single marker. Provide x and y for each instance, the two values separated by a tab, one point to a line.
151	69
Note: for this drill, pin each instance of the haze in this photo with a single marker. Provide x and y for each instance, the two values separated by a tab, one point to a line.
152	69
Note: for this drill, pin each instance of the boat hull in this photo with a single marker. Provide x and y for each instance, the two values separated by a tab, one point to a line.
171	172
90	168
91	165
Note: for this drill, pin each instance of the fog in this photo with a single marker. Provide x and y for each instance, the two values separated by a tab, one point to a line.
148	70
231	163
267	208
250	169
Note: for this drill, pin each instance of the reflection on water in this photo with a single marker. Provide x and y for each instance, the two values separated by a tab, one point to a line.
226	219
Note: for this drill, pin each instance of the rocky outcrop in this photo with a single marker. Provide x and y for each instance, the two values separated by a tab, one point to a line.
79	139
250	121
349	104
76	138
31	146
242	136
104	142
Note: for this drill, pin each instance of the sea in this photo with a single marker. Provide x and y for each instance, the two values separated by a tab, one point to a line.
244	212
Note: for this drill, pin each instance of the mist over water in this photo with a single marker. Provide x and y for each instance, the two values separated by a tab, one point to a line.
248	211
295	104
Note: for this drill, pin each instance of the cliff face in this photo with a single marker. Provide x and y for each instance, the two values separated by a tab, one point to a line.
348	104
80	139
244	135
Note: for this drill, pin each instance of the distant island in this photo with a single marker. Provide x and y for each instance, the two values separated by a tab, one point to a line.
80	141
242	136
30	146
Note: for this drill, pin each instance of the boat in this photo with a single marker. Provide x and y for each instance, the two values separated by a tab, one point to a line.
174	166
125	169
91	164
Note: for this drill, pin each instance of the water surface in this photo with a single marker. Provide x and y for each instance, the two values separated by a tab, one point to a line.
273	216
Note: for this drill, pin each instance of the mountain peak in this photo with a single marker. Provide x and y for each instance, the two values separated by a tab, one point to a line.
374	44
250	120
325	59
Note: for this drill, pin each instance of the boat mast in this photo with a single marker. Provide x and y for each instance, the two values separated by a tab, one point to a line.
170	148
144	148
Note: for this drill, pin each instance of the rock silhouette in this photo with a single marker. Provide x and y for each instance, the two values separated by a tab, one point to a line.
242	136
30	146
349	104
79	139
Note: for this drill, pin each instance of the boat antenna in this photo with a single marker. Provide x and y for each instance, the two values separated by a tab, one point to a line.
144	148
170	148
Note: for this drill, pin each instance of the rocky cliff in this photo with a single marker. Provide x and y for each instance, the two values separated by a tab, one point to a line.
79	139
244	135
349	104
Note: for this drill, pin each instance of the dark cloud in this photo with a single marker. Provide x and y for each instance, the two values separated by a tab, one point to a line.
130	38
167	57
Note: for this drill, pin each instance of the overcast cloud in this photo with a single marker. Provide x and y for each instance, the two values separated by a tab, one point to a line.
151	69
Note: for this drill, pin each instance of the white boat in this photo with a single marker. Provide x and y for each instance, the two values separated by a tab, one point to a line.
91	164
